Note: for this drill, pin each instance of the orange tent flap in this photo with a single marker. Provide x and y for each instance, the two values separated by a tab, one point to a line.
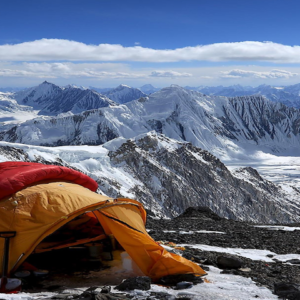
170	264
128	213
153	260
101	219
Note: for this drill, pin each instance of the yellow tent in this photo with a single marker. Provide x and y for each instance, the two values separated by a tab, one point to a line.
49	207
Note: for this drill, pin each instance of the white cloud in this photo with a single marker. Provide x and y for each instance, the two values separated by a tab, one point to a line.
71	70
169	74
65	50
22	73
206	77
273	74
64	70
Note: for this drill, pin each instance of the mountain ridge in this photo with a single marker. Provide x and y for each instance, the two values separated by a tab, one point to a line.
51	99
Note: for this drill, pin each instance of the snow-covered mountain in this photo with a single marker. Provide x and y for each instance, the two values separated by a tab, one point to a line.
12	112
223	126
51	99
285	95
75	86
289	95
168	176
149	89
235	91
124	93
227	91
293	89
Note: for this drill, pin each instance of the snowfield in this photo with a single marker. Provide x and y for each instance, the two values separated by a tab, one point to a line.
282	170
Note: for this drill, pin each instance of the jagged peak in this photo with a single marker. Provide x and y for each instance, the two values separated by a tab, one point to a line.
47	85
123	86
74	86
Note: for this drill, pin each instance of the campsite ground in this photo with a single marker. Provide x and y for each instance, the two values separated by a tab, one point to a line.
270	254
262	251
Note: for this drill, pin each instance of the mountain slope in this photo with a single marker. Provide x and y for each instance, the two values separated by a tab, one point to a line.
168	176
124	93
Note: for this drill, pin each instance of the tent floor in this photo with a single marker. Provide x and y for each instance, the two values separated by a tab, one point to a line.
72	268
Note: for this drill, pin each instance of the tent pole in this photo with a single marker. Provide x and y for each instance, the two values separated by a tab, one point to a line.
6	235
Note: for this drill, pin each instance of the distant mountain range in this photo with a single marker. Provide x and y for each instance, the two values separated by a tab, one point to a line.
223	126
149	89
288	95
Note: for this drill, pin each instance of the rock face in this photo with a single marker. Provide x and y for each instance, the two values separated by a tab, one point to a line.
287	290
228	262
188	176
168	176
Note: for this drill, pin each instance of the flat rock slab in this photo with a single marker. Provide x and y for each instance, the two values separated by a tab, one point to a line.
140	283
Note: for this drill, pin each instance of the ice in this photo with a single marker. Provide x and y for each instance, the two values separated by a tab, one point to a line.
285	228
219	286
283	170
254	254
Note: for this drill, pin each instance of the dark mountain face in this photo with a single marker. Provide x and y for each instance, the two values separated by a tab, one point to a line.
51	99
194	177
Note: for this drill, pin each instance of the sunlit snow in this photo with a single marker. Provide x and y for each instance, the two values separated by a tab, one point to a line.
254	254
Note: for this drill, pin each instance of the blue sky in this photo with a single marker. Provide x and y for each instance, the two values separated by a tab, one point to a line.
108	42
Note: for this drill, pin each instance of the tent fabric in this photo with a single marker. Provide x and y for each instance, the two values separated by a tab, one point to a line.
153	260
41	209
14	176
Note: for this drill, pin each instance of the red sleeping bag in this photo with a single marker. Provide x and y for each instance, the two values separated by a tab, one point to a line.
15	176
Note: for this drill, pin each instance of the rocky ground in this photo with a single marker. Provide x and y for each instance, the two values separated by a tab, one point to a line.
282	278
237	235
